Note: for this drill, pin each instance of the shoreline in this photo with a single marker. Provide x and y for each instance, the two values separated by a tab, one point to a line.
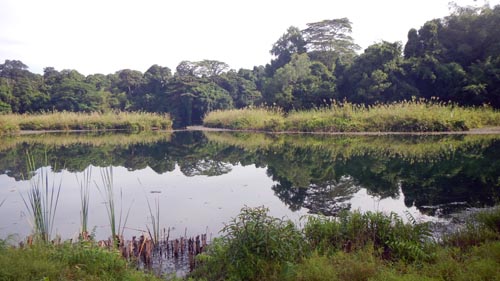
477	131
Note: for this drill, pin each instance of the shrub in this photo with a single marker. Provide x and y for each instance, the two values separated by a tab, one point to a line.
254	245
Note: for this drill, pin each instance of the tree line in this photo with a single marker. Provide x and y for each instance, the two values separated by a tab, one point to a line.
456	58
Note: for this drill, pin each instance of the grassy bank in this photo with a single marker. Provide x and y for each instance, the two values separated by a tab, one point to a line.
129	121
80	261
411	116
354	246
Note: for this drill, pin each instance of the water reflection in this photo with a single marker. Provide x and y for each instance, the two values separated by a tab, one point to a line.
437	174
204	178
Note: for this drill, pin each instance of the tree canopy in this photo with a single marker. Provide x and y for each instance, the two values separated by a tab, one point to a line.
456	58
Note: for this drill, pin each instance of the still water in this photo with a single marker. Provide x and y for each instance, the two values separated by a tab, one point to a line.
202	179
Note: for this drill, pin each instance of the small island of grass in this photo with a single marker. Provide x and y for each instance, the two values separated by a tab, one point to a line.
64	121
405	116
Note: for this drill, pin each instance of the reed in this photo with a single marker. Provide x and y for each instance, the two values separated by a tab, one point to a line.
260	118
129	121
107	191
41	200
84	200
154	232
417	115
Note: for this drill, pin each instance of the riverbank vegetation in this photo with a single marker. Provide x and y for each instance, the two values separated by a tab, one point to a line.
406	116
256	246
353	246
127	121
67	261
454	59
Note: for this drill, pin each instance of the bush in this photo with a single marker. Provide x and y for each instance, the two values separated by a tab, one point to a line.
352	231
254	245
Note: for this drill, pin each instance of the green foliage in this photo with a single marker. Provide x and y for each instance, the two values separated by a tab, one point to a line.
480	227
254	245
352	230
353	246
453	59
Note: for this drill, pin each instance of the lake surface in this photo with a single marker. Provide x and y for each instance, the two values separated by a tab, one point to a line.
202	179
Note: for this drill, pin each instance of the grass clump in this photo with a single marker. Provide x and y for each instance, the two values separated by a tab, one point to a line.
254	246
80	261
129	121
387	234
265	119
41	200
107	191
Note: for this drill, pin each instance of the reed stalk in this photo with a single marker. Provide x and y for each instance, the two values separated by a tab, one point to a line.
107	191
155	221
41	200
84	199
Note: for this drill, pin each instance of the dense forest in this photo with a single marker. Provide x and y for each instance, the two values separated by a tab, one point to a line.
456	58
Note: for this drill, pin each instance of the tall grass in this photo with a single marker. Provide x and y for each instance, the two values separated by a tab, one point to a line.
41	200
266	119
130	121
85	185
154	232
406	116
107	191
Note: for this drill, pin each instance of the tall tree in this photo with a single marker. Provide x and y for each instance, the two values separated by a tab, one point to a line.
328	40
291	42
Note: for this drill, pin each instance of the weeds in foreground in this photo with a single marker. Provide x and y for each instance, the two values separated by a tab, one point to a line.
351	231
479	228
354	246
253	244
41	200
80	261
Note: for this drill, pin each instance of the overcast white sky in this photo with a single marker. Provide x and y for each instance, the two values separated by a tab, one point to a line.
103	36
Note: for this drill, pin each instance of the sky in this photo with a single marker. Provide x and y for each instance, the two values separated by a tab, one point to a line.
104	36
